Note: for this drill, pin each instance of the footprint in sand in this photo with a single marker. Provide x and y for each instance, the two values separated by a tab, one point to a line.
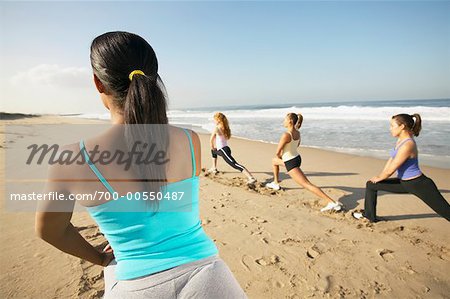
290	241
344	242
258	232
264	261
276	283
394	229
247	261
315	251
415	241
215	207
312	254
365	224
325	284
420	229
90	281
379	288
408	269
258	219
386	254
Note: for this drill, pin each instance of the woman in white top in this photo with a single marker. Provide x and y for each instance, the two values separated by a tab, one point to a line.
288	156
219	146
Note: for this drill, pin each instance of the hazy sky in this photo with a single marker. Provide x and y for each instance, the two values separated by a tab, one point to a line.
228	53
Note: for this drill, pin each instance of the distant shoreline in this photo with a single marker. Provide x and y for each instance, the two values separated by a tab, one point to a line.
13	116
426	159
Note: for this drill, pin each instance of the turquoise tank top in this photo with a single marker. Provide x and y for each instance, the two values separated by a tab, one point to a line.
148	242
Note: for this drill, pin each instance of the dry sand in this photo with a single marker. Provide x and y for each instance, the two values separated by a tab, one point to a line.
277	244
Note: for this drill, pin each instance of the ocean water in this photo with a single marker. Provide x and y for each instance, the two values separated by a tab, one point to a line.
360	128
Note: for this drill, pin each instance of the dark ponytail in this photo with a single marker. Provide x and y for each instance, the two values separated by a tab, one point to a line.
412	122
114	55
145	102
141	97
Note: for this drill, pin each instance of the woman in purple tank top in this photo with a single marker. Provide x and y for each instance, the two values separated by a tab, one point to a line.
410	179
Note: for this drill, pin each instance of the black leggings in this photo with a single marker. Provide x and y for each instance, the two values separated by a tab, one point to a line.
225	153
423	187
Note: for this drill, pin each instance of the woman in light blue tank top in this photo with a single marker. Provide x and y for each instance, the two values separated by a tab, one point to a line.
410	179
150	212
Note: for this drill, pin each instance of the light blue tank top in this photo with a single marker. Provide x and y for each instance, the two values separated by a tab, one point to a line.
409	168
148	242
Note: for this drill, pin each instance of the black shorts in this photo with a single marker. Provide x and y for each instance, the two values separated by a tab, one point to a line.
293	163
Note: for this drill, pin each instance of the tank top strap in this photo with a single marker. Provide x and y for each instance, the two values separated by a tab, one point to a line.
194	169
94	169
401	143
290	134
292	138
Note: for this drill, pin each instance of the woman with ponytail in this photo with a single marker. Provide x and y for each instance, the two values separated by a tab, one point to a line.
288	156
405	161
157	246
219	147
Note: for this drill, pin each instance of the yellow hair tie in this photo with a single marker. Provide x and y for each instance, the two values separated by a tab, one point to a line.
139	72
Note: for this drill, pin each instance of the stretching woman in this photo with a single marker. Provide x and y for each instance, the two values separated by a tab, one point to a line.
410	179
288	156
219	146
152	254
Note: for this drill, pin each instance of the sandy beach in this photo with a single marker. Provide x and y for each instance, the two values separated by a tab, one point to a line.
277	243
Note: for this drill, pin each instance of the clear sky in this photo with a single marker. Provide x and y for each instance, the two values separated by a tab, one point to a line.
228	53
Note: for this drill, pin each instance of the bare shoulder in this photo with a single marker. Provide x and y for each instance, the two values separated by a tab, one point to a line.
407	149
62	166
409	146
286	137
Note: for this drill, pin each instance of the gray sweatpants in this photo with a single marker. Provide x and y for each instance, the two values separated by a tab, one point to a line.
205	278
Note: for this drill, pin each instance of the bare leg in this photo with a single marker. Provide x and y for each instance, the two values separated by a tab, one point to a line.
298	176
276	163
247	173
214	163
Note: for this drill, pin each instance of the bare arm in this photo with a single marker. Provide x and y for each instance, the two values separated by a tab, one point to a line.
393	164
212	139
56	229
388	163
285	138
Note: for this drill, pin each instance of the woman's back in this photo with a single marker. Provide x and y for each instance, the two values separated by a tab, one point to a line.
290	149
221	140
146	241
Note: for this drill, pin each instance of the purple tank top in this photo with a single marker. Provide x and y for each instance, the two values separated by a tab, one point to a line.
409	168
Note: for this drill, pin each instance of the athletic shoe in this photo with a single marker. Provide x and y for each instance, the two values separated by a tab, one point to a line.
358	215
213	170
331	206
251	181
339	206
273	186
